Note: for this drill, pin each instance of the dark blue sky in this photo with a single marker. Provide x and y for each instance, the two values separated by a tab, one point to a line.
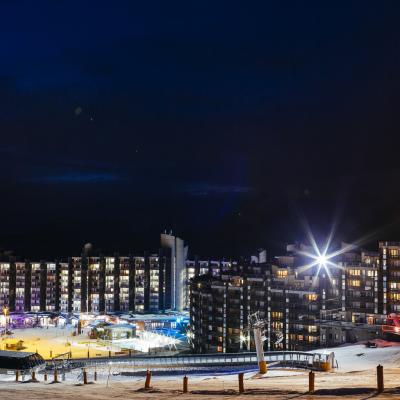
120	119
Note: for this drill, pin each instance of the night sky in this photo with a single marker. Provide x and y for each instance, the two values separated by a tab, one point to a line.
223	121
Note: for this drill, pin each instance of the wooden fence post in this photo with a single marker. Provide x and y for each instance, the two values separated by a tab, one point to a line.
311	381
185	384
33	377
55	376
148	379
379	378
241	384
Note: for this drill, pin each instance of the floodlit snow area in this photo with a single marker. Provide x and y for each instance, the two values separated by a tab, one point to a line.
147	341
52	341
329	386
59	340
355	378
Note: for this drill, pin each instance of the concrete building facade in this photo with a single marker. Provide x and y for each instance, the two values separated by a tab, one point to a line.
98	284
302	308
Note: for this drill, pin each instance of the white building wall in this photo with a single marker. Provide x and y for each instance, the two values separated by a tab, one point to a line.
178	269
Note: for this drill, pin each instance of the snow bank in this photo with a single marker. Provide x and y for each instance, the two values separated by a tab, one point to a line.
359	358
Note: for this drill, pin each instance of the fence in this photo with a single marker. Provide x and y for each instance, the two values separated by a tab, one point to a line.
290	359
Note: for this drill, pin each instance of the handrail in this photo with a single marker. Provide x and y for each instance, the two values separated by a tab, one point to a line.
213	355
293	358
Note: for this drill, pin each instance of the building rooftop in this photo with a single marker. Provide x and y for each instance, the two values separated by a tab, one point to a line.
14	354
119	326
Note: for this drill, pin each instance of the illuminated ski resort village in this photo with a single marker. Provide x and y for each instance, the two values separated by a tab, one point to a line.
199	200
303	319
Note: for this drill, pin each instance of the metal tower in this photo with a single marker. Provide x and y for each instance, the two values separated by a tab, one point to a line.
257	325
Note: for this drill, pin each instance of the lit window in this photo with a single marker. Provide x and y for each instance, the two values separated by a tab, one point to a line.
395	296
282	273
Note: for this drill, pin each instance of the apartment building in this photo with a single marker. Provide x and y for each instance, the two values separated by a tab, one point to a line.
302	308
98	284
221	307
389	277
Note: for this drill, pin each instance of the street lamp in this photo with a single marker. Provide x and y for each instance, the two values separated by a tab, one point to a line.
5	313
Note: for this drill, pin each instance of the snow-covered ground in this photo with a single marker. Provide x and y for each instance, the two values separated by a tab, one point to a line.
355	378
147	341
358	357
277	385
59	340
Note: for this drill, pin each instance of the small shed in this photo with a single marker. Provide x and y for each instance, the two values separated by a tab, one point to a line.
21	361
119	331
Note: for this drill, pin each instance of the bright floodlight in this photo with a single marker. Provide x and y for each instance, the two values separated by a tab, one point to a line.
322	260
243	338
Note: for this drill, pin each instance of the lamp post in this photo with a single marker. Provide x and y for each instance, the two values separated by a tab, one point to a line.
5	313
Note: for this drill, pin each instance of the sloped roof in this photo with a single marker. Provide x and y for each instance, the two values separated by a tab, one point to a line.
17	360
14	354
